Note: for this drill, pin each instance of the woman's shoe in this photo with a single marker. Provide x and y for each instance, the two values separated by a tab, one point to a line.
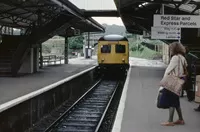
167	124
179	122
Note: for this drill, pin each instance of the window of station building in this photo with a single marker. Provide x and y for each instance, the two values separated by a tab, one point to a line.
105	48
120	48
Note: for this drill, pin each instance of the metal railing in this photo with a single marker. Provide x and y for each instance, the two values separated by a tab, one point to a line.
49	59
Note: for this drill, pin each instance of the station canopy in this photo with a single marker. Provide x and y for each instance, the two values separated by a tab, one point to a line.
137	15
23	14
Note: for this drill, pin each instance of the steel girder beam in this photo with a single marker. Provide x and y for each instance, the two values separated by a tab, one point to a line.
157	2
4	15
140	16
14	18
131	4
13	25
49	28
49	10
33	6
136	23
72	6
101	13
24	6
179	4
75	11
6	11
64	4
95	24
196	8
65	7
144	20
15	5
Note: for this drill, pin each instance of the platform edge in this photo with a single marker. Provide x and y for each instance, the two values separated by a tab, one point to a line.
120	110
23	98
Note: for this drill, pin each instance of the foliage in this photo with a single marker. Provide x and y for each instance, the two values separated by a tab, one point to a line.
46	49
76	42
146	53
56	44
133	36
141	51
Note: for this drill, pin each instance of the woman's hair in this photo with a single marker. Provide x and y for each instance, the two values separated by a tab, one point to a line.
177	48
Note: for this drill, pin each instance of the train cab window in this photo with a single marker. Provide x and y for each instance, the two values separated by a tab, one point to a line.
105	48
120	48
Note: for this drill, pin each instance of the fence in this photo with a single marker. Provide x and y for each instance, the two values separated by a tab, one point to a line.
49	59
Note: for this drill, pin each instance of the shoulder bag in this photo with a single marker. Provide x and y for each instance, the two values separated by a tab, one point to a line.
173	83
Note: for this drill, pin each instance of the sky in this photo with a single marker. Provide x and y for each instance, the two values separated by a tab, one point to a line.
99	5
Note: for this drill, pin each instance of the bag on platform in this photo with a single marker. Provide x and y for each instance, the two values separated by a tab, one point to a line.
162	101
174	83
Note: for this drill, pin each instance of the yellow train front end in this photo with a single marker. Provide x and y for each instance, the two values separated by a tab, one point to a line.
113	53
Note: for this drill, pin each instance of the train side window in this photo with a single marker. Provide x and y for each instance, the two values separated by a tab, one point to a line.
120	48
105	48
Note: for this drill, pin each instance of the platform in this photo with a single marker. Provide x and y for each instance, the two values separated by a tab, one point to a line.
138	112
11	88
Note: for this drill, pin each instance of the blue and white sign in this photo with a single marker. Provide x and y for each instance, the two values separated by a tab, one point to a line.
166	33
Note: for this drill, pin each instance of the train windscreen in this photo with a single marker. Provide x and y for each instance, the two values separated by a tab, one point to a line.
120	48
105	48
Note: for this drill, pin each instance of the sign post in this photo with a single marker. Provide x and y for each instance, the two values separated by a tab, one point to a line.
168	33
165	32
169	26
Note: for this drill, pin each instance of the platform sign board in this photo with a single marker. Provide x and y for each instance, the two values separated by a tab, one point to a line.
182	21
166	33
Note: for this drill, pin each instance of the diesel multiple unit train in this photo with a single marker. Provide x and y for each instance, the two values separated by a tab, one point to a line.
113	52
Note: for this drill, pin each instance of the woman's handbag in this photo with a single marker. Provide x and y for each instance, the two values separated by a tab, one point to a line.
162	101
173	83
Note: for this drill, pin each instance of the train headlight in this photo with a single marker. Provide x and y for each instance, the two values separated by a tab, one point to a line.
123	60
102	60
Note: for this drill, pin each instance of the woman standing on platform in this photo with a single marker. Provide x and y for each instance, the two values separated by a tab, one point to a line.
176	68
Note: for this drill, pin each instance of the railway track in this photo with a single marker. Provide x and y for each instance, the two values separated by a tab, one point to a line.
87	113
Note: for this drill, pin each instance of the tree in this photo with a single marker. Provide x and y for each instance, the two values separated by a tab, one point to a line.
46	49
76	42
